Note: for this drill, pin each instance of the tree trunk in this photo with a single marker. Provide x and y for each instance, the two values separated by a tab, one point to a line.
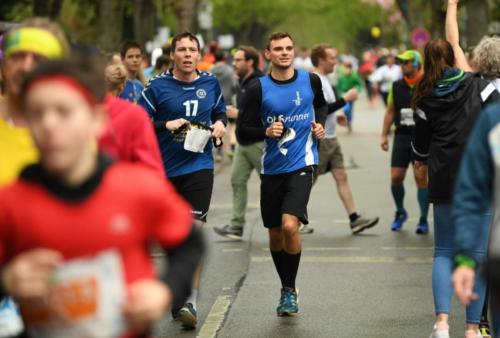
477	21
186	13
438	18
111	24
137	17
149	21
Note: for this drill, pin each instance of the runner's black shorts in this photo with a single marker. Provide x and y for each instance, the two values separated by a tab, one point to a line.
402	154
196	188
286	194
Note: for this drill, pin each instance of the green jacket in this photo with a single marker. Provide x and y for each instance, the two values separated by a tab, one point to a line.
347	82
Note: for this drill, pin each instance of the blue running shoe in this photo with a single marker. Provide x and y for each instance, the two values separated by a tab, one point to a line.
289	303
422	227
399	219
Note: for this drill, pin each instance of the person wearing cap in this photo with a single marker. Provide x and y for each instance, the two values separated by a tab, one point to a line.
400	113
23	47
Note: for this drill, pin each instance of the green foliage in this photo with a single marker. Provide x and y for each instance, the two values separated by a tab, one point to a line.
334	21
79	20
18	11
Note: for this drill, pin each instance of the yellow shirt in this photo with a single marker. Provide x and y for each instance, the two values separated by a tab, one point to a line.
17	150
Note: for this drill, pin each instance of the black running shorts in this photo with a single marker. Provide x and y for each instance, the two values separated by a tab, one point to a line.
402	154
285	194
196	188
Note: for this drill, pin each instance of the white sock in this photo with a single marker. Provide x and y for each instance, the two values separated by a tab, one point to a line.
192	297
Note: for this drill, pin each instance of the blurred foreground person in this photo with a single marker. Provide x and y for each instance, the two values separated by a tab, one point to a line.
484	59
474	195
32	42
447	101
77	263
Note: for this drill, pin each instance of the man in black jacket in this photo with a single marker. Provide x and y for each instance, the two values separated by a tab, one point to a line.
247	156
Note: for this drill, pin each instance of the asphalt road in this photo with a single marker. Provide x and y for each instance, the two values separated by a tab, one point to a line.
374	285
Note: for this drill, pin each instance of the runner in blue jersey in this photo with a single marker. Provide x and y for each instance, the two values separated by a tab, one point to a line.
183	104
287	109
132	55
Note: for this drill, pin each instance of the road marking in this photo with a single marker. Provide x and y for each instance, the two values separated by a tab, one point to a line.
407	248
215	317
354	259
332	248
232	250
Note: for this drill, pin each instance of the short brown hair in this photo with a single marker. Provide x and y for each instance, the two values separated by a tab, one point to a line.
277	36
250	53
127	45
183	35
319	52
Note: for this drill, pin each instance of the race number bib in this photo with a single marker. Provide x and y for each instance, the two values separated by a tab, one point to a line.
86	300
407	117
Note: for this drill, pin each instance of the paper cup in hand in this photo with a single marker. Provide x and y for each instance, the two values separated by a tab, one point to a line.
196	140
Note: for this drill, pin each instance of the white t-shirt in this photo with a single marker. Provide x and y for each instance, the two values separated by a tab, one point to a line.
386	76
303	63
331	120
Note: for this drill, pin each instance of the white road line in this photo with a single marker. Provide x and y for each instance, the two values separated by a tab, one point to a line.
355	259
407	248
215	317
328	248
232	250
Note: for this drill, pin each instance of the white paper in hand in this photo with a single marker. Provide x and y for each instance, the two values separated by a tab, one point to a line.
196	140
86	300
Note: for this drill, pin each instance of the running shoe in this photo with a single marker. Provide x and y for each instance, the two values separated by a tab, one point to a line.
399	219
289	303
473	334
484	328
186	316
441	331
422	227
362	223
230	232
304	229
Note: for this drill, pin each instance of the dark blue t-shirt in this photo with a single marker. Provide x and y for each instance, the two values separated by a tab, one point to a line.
132	91
165	98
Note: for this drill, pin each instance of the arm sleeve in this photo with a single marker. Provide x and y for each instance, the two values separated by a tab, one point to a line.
219	111
319	103
334	106
474	188
249	124
421	136
148	102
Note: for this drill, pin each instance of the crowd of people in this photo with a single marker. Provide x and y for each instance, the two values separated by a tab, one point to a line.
76	124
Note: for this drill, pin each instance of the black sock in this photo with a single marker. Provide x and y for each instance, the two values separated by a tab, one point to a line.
353	217
278	259
291	264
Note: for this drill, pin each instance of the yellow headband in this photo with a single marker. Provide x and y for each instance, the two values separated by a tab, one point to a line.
34	40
